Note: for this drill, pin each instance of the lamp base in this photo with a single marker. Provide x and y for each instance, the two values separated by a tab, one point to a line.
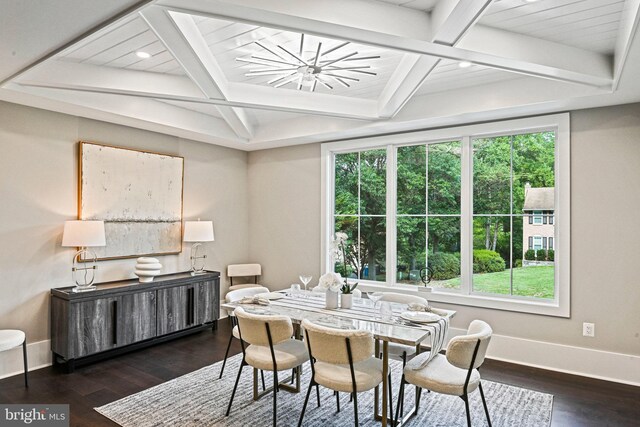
84	289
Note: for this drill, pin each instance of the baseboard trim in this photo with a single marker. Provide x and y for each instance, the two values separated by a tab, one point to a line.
38	355
586	362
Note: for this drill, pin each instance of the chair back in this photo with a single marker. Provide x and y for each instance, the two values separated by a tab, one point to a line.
461	348
253	327
330	345
244	270
238	294
403	298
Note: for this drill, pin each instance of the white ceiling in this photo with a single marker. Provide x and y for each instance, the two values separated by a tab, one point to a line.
527	58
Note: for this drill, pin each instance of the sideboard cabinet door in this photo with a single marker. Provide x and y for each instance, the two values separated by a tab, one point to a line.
136	317
172	313
208	306
94	326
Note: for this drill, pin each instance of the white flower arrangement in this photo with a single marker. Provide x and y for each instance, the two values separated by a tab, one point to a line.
331	282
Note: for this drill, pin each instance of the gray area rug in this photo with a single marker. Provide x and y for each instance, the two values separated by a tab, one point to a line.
200	399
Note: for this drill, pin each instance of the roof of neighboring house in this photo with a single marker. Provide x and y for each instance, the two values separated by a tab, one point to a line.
538	199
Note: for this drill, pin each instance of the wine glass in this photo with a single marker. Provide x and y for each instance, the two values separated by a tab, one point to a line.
375	297
305	280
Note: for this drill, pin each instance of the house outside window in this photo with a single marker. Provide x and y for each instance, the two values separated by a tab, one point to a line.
459	201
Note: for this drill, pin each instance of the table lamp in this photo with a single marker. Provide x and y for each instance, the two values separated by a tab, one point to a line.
83	235
197	232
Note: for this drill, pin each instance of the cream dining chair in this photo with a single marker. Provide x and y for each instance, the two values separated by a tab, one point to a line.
271	348
342	361
12	338
455	374
243	271
233	296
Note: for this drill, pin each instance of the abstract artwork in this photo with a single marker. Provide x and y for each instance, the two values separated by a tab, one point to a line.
137	194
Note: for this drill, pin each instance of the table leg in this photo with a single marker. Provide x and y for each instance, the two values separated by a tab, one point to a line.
385	379
376	390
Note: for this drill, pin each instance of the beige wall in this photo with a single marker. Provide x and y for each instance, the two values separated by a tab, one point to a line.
284	220
605	179
38	192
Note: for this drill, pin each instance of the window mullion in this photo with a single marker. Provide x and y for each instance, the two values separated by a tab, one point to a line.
466	217
391	215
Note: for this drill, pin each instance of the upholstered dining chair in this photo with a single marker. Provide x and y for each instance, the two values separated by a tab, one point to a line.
233	296
12	338
271	348
455	374
400	351
243	271
342	361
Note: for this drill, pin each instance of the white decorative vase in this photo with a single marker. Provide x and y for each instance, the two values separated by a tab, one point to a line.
147	269
346	300
331	300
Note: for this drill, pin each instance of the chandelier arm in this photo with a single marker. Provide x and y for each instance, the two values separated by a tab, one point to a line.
266	63
300	81
315	60
315	83
260	58
271	51
339	80
319	79
287	80
324	64
342	77
301	44
333	49
363	57
269	73
293	55
280	78
362	72
333	67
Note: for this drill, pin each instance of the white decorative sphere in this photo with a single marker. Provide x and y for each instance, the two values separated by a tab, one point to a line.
147	268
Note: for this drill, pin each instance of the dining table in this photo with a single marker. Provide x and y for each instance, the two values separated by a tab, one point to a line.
392	326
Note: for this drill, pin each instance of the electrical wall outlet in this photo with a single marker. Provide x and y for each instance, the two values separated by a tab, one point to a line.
588	329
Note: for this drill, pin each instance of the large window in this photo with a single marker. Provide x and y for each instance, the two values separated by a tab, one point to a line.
477	206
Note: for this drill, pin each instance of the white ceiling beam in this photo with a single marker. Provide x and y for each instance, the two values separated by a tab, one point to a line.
304	102
628	27
450	20
185	43
78	77
117	80
255	16
138	112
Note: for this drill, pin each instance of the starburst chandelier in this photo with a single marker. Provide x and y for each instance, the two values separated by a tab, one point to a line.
305	70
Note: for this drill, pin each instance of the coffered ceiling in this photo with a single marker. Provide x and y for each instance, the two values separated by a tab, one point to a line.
255	74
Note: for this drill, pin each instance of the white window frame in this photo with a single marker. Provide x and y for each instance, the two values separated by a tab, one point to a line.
537	217
534	243
558	306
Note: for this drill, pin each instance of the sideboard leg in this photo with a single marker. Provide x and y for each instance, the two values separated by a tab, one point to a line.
214	327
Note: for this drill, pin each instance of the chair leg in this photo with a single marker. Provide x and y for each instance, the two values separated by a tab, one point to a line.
304	407
337	400
390	401
233	393
262	377
275	397
26	368
466	407
400	399
355	407
484	403
318	394
226	354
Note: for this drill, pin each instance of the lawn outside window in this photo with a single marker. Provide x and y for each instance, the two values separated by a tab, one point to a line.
473	203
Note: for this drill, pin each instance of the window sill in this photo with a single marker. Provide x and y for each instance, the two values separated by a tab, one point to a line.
545	308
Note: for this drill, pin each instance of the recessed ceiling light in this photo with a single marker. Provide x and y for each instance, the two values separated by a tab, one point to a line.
530	1
464	64
143	55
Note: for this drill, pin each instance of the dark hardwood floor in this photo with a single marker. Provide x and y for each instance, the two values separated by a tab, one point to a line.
578	401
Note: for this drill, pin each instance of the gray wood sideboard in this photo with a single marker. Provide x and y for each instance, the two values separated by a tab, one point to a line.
126	315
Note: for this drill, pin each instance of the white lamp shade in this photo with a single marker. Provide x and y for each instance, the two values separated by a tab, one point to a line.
198	231
83	234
